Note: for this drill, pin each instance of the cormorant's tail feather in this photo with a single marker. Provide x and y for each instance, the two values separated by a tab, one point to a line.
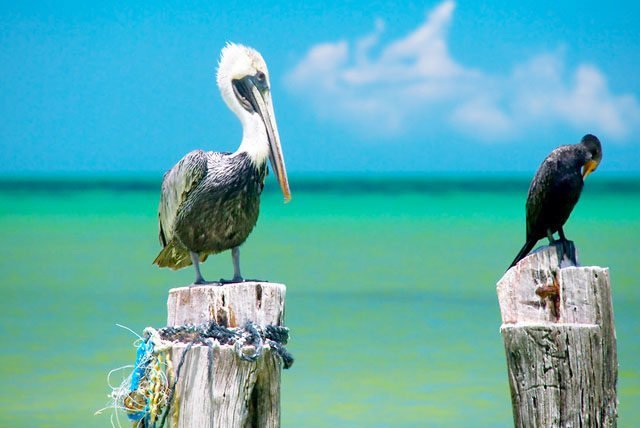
528	246
173	257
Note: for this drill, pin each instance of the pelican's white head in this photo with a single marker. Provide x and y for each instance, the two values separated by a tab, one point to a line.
243	80
236	63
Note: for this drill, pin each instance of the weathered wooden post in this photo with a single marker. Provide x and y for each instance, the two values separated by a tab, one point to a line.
215	387
560	343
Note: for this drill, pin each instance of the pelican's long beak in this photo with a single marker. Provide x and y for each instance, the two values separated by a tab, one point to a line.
588	168
261	100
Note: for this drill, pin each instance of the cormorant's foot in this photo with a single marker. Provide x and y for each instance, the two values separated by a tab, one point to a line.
566	253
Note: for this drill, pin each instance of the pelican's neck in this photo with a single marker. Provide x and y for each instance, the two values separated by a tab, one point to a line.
254	135
254	138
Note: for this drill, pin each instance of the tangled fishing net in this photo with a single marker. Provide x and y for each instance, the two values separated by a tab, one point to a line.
147	392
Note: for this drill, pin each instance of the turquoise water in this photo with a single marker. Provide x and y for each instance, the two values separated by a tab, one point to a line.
391	293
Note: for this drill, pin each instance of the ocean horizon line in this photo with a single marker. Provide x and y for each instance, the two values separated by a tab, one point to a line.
327	183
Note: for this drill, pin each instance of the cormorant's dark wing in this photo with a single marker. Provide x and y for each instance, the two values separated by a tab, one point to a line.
176	185
537	197
553	193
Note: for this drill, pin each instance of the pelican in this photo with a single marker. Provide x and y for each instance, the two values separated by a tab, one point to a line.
210	201
556	188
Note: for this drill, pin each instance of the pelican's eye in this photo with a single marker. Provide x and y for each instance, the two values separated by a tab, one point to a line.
260	80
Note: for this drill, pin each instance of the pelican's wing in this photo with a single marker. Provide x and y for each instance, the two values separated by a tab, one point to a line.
176	185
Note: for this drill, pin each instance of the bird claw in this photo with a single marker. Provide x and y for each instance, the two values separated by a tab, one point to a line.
234	280
566	253
239	281
203	282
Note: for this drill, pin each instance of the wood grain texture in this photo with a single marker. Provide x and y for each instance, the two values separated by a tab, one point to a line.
216	387
235	393
560	343
231	305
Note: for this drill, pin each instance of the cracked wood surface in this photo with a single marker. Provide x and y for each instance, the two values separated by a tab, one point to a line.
216	388
231	305
560	343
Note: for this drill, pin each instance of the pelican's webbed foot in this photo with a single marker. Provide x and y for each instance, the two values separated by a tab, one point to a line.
240	280
201	281
195	260
234	280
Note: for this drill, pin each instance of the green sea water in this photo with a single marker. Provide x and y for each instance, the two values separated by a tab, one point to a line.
391	293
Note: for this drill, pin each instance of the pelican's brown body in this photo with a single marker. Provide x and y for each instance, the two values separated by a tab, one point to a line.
220	194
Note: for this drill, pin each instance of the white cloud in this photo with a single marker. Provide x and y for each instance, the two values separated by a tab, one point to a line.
414	84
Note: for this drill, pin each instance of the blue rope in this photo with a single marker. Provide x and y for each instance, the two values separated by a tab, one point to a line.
142	362
275	336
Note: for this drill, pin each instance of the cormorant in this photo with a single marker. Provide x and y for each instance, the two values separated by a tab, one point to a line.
210	201
556	188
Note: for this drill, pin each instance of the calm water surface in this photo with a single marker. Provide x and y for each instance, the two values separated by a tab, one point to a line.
391	293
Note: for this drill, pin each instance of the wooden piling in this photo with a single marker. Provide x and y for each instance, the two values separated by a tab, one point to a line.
216	388
560	343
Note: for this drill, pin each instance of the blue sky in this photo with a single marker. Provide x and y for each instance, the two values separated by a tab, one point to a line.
428	87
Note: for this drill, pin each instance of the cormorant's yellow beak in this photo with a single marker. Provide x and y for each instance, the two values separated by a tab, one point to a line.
588	168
